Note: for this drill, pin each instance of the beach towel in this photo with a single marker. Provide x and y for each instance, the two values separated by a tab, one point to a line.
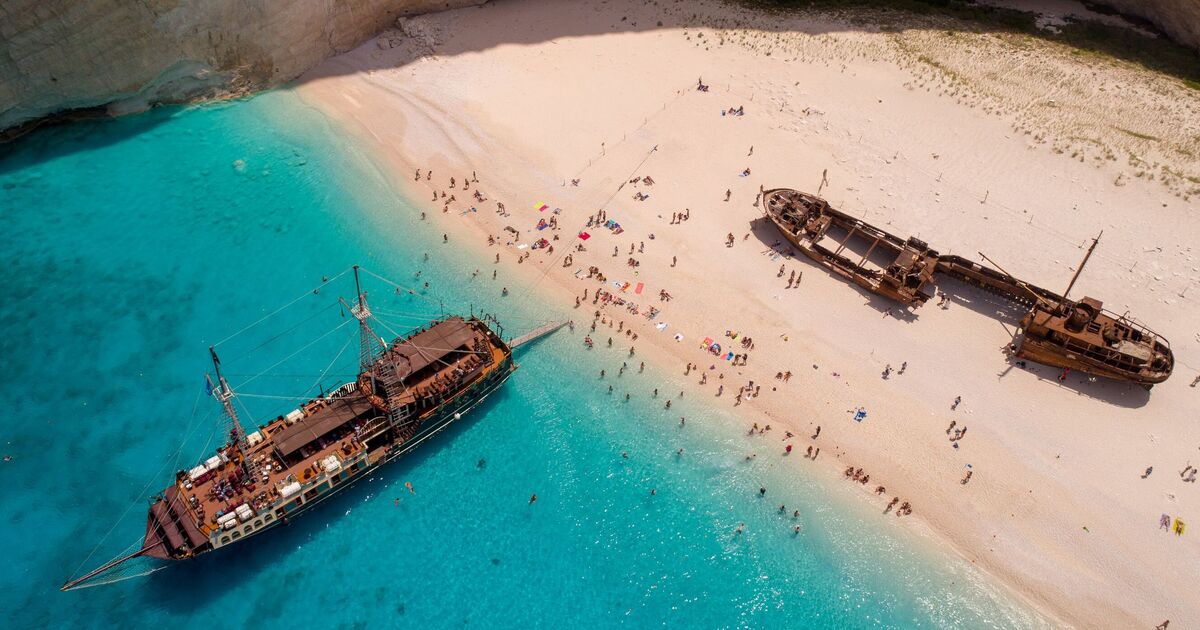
624	287
706	343
661	326
583	236
729	357
678	337
860	415
639	288
541	207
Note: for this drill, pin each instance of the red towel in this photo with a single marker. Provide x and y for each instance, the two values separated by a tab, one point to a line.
639	288
583	236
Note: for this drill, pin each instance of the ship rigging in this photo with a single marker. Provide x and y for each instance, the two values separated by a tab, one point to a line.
404	392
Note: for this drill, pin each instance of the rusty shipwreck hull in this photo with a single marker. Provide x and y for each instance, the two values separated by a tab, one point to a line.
1056	331
896	268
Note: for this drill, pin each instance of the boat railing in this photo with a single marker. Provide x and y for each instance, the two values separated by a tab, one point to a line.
343	390
1141	328
1102	354
374	427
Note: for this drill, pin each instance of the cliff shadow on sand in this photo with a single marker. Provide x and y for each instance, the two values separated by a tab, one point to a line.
413	39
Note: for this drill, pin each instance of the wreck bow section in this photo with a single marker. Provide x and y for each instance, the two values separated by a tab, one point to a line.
896	268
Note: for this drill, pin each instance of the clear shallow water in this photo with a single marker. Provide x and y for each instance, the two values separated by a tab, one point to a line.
130	246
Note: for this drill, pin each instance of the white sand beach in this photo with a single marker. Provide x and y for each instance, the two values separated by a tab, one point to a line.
991	142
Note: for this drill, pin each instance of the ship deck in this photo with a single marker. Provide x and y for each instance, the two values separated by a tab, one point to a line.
205	503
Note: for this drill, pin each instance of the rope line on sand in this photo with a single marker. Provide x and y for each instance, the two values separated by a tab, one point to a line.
620	186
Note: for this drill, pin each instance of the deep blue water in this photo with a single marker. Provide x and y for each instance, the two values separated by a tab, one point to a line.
128	247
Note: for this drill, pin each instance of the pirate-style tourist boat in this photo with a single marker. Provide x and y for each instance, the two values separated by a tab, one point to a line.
1057	331
406	391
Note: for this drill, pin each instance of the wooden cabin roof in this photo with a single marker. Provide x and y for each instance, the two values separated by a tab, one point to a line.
309	428
427	347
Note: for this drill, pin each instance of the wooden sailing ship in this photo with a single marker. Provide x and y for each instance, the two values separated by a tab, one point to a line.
1057	331
406	391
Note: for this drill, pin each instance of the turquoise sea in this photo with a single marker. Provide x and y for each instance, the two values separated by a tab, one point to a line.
129	246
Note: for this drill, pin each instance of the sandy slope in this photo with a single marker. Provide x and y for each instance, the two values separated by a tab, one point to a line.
531	95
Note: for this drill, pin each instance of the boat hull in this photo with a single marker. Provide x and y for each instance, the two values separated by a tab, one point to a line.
909	284
440	419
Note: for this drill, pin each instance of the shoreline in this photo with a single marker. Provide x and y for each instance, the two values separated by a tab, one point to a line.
930	542
1054	573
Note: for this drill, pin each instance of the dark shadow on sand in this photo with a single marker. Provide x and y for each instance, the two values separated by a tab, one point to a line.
779	16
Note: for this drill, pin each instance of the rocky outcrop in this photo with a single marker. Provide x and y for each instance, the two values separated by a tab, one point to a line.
125	55
1180	19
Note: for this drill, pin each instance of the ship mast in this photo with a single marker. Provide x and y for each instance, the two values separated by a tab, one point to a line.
366	337
224	394
1086	256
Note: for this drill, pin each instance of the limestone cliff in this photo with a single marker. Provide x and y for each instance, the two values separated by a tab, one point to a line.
117	56
1180	19
124	55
